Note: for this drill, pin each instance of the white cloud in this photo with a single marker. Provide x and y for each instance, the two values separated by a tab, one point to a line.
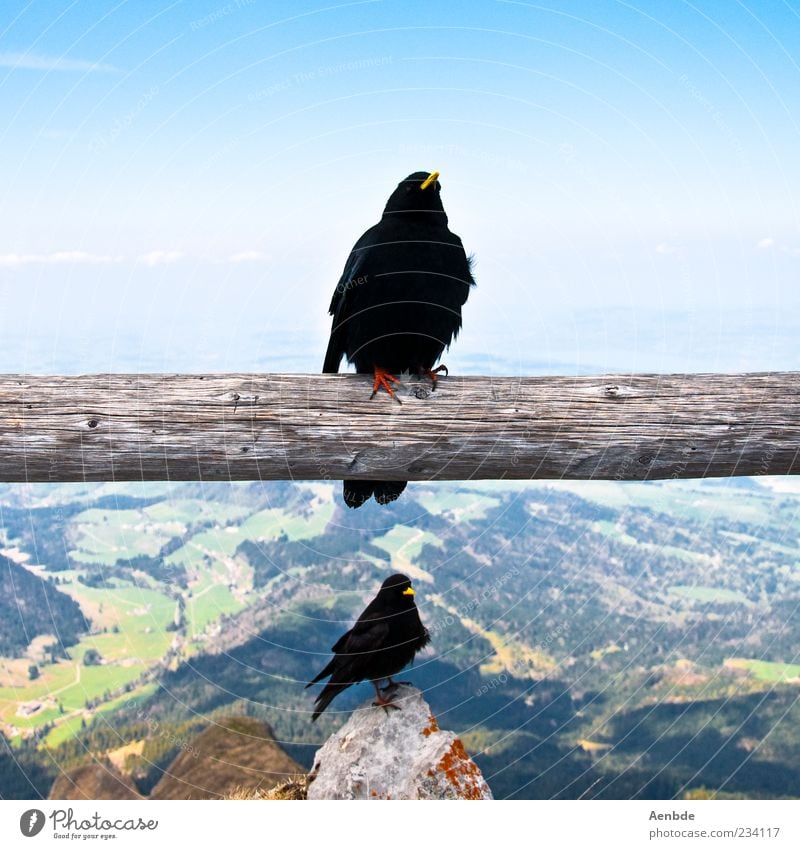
246	256
57	258
780	484
58	135
78	258
666	248
766	243
41	62
160	258
150	259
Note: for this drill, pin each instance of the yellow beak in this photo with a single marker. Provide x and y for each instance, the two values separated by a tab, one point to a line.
431	178
409	591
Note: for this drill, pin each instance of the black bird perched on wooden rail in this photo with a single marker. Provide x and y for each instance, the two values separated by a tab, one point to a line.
384	639
398	303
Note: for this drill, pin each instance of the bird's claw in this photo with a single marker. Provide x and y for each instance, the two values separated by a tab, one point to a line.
382	381
432	372
385	703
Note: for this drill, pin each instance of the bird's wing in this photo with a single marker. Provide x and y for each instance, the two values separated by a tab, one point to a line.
354	269
351	659
465	272
367	635
339	645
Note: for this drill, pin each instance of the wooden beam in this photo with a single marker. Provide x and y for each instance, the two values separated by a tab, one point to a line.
276	427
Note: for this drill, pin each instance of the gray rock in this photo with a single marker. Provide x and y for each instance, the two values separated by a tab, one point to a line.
395	754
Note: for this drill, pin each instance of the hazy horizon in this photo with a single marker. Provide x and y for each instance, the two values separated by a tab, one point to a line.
197	174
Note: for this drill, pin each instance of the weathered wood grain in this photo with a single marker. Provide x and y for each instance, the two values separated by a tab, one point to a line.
106	427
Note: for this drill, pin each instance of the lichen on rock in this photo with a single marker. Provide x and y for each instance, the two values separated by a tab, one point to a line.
395	754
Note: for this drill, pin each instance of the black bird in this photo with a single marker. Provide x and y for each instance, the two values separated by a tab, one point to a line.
398	303
385	638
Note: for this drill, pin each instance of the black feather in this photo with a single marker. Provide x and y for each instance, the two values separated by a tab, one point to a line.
398	303
383	640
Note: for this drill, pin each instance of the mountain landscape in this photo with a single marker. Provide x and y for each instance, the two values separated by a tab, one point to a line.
589	640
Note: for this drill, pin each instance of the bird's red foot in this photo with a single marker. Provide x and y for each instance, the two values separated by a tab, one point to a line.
385	703
383	380
431	373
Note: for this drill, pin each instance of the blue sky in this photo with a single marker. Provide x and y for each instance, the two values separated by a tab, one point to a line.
180	176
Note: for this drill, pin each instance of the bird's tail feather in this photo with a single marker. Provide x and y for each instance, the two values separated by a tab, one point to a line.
358	492
333	356
327	695
328	670
341	679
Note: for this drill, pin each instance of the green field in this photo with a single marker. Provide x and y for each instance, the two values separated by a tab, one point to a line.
686	499
407	540
404	545
105	536
69	727
206	606
135	639
765	670
464	506
263	525
710	595
65	730
190	511
613	530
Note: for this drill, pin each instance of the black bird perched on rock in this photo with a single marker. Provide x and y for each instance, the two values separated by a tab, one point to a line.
398	303
384	639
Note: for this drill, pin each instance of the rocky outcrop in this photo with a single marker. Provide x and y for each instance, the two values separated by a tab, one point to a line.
395	754
96	780
232	754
